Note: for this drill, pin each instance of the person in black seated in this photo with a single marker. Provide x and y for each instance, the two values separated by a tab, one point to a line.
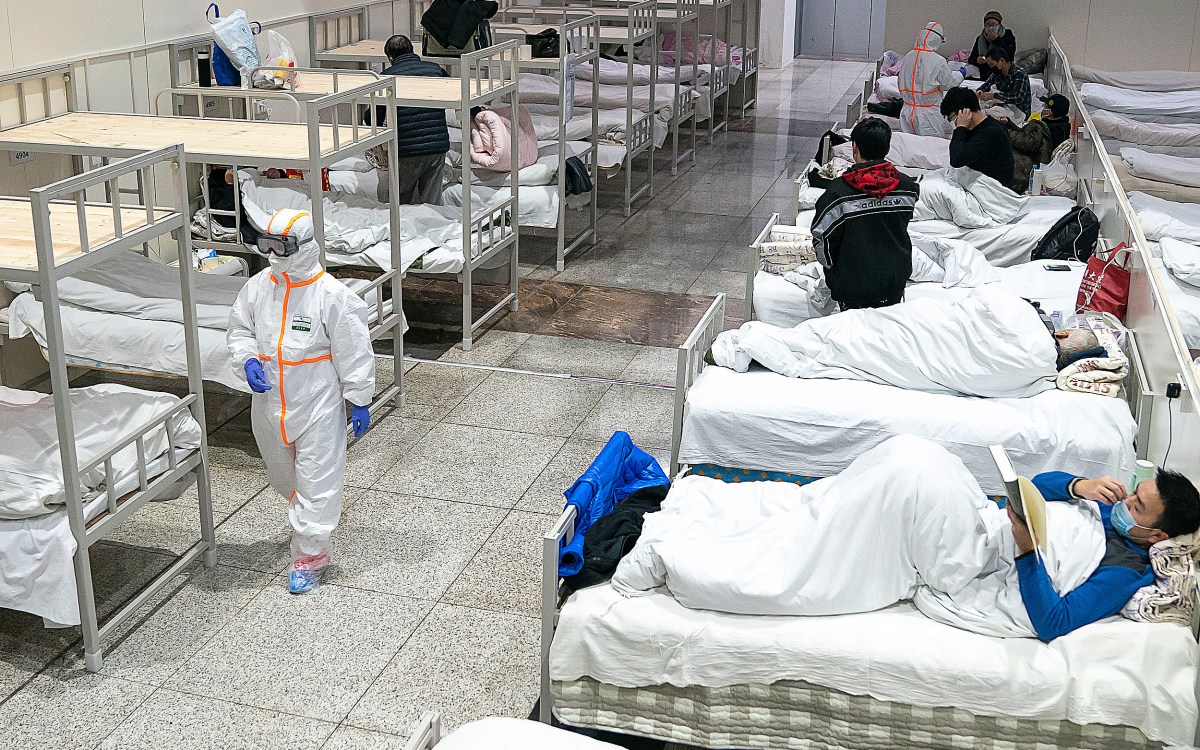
993	34
979	142
860	230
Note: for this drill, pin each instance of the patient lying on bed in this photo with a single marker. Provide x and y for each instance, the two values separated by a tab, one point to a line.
990	343
906	520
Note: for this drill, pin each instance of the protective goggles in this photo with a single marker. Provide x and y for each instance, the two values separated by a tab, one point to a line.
281	247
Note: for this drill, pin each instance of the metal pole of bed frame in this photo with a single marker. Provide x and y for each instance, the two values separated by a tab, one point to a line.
397	282
561	533
60	385
514	269
191	344
468	69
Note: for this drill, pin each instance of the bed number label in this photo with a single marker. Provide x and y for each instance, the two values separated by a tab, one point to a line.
301	323
19	157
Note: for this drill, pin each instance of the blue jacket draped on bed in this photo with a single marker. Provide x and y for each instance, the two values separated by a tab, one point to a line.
620	470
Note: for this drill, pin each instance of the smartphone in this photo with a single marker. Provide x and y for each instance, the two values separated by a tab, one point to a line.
1056	267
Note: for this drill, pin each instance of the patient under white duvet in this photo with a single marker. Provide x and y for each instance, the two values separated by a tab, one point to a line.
991	343
906	520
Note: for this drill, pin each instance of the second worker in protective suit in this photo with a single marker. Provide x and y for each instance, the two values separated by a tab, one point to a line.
924	78
299	338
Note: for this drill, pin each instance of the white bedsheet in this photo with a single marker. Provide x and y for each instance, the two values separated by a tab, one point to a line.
1160	217
760	420
1185	302
1141	80
910	150
1141	103
497	733
1102	673
136	345
618	72
539	89
1175	170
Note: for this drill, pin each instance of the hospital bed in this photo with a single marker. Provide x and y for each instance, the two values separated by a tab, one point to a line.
497	734
56	125
1141	80
118	448
649	667
760	421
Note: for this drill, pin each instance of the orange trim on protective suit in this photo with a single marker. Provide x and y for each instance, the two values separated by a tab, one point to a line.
288	228
912	116
287	292
293	363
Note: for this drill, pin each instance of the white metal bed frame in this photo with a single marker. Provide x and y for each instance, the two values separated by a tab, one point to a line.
749	20
358	137
49	271
579	42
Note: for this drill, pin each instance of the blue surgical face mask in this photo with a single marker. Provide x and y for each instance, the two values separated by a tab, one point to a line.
1123	523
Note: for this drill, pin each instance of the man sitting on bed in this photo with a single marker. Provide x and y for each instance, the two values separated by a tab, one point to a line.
978	141
907	521
990	343
860	230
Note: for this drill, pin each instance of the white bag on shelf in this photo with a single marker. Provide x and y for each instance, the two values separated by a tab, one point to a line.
234	37
280	55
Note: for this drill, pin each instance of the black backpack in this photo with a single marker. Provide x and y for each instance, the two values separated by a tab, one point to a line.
1073	237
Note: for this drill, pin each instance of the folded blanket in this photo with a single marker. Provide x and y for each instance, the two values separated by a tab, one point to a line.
967	198
1172	597
202	223
491	140
1176	170
1099	375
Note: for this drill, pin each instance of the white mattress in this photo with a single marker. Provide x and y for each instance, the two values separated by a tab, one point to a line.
1126	129
1142	80
761	420
1185	303
1112	672
1176	170
1007	244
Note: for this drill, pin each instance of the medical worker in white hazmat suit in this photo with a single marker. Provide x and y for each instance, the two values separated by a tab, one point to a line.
300	339
924	78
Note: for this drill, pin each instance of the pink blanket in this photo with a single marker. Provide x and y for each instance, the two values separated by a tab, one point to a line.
491	145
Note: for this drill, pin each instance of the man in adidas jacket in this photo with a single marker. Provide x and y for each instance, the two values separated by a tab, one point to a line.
860	230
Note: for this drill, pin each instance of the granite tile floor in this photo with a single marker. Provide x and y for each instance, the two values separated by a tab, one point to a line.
434	601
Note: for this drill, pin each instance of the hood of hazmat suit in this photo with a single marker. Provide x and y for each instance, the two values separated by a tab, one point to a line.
310	333
923	79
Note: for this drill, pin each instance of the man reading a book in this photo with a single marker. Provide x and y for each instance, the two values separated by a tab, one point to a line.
1156	509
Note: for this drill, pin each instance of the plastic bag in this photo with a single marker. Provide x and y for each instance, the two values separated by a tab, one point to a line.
234	37
1058	178
280	55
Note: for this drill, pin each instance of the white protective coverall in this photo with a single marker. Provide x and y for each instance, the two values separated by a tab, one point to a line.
924	78
310	333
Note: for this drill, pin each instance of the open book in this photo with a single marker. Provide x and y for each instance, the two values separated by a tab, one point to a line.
1026	501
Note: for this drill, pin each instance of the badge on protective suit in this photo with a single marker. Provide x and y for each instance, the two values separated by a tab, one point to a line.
302	323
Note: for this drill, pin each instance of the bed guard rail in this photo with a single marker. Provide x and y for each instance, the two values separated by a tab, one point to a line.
248	98
854	110
328	109
427	733
553	595
490	73
754	262
685	104
40	95
719	81
328	31
749	61
688	366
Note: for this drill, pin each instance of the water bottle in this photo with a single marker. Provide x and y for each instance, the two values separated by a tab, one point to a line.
204	68
1143	471
1032	175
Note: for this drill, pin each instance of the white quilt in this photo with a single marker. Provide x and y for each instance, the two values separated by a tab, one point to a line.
967	198
990	344
539	89
1130	101
135	286
1142	80
617	72
1163	218
1185	303
1004	244
1173	169
905	521
1126	129
90	338
909	150
31	479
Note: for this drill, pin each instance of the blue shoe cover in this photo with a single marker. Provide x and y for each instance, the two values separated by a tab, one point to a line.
304	581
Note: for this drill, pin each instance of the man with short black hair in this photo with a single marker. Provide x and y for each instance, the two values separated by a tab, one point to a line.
422	138
1157	509
979	142
860	230
1010	81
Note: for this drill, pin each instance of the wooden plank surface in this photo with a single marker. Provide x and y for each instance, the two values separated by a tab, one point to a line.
238	139
18	249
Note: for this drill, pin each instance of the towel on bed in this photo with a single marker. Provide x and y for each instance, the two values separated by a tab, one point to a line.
967	199
491	140
1172	597
1099	375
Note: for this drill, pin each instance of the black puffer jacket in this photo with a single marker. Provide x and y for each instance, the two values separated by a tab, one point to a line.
419	131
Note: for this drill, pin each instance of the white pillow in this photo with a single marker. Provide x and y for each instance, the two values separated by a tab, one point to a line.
1182	259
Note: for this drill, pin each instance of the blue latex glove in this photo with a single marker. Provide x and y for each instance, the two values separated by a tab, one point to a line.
360	418
255	377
